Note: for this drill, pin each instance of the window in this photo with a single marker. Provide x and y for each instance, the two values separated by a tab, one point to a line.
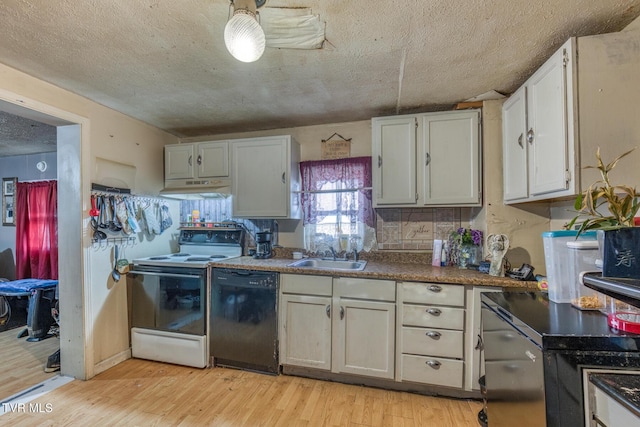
336	202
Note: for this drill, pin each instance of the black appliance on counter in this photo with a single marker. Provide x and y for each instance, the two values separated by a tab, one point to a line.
244	324
263	245
537	354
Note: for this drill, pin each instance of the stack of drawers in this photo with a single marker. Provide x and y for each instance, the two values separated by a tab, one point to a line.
432	333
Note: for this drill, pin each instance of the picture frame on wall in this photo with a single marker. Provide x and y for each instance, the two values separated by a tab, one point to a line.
8	201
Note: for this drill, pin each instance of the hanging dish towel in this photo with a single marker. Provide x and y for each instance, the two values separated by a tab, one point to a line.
151	218
121	214
166	220
131	216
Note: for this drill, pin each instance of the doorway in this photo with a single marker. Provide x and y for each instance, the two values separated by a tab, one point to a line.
68	160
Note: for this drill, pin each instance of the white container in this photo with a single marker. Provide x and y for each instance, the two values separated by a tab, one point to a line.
556	257
582	257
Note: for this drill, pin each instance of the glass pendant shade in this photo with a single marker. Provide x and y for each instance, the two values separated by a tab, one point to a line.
244	36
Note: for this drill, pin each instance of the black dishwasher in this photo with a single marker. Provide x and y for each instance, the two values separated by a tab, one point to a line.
244	322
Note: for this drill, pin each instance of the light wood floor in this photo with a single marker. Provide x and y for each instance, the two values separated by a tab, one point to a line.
144	393
22	362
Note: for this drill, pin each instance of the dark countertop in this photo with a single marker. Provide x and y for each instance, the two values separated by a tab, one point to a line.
413	272
560	326
624	388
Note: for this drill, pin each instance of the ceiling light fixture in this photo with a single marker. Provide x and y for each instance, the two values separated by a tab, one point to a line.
243	34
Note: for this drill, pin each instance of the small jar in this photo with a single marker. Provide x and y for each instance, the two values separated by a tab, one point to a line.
623	316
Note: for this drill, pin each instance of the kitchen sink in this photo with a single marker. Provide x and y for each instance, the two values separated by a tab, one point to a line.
329	264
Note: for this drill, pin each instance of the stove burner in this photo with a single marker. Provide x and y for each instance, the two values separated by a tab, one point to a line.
154	258
196	258
217	256
180	255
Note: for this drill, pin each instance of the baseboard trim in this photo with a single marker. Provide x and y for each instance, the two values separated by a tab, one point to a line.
425	389
111	361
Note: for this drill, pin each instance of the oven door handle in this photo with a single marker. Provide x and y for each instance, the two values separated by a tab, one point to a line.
240	285
149	273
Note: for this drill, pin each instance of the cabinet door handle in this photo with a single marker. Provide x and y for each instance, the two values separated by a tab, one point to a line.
427	159
434	288
434	311
328	310
520	141
433	363
530	136
190	157
341	312
283	176
199	160
433	334
379	161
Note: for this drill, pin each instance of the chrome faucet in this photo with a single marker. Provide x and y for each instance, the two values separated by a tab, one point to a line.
333	253
355	255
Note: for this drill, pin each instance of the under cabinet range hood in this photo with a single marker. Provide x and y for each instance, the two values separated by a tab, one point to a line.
192	189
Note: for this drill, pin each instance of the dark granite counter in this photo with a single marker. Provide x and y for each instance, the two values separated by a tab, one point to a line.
571	341
413	272
560	326
624	388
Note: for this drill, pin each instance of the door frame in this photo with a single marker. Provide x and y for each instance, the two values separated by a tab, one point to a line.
73	243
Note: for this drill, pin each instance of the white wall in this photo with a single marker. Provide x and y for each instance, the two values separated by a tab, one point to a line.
113	136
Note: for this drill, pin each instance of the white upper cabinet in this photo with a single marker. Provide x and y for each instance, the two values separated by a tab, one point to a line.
430	159
547	136
212	160
450	150
536	145
265	177
514	135
178	161
394	160
580	99
197	160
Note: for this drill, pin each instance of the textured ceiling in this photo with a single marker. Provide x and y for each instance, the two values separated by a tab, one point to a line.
164	61
19	135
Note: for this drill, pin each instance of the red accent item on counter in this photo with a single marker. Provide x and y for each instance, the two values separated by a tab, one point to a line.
636	221
623	321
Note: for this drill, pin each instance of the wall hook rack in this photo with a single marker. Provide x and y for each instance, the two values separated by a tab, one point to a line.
339	136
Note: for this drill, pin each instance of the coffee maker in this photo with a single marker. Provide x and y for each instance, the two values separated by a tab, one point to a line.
263	245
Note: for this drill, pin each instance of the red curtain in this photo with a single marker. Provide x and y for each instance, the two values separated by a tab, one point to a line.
36	214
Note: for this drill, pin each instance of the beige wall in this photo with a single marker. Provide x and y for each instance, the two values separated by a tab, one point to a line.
101	316
524	223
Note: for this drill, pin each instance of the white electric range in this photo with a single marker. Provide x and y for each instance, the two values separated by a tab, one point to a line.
201	245
170	295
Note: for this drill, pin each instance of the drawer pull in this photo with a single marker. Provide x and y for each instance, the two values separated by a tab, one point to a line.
434	288
433	334
434	312
433	363
328	310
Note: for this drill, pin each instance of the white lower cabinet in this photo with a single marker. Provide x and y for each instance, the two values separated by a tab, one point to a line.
421	333
306	339
364	338
431	333
430	370
344	325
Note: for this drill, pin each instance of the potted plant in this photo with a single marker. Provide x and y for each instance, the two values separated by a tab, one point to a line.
466	247
621	240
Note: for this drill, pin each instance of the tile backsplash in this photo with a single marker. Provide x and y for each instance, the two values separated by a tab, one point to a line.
414	228
410	229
